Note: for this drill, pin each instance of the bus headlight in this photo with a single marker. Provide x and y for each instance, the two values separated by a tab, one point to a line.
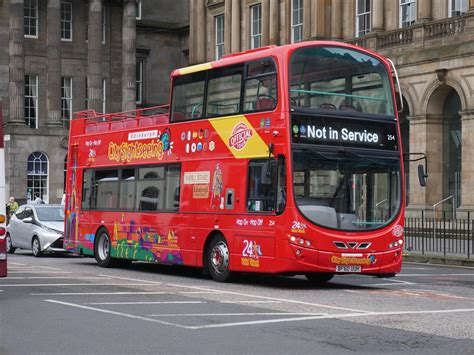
300	241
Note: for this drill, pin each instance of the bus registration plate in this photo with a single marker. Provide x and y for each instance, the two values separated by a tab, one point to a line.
348	268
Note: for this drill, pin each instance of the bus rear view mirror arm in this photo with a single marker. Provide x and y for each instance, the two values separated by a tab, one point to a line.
422	168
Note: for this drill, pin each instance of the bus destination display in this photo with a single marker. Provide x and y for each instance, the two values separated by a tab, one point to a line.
344	132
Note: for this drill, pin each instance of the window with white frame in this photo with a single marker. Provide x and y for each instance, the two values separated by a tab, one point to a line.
363	25
31	18
138	10
66	20
31	101
457	7
296	21
104	95
66	100
407	13
37	176
255	26
103	23
139	83
219	27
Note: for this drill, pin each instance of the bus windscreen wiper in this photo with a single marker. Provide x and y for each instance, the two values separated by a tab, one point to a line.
362	157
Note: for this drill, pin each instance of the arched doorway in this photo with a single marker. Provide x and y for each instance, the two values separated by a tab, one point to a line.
452	147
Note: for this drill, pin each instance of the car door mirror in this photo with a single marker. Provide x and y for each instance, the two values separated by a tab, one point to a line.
28	220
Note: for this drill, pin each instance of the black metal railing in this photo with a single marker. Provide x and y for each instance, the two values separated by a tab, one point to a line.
441	235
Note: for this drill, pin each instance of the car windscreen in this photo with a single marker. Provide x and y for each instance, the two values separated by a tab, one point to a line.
50	214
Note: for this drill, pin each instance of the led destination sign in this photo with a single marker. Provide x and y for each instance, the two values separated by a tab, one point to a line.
344	132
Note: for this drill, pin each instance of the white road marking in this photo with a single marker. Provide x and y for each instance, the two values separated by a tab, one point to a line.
131	279
392	283
13	263
138	303
234	314
437	266
115	313
97	293
56	277
329	316
39	272
84	284
435	275
238	302
271	298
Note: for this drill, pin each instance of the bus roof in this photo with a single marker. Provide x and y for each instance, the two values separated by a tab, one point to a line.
262	52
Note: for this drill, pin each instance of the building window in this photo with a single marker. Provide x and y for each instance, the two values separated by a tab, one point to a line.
139	83
296	21
138	10
219	22
457	7
104	95
37	176
31	18
363	18
66	100
103	23
255	26
31	101
66	20
407	13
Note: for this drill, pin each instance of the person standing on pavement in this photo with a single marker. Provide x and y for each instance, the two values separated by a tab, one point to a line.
12	206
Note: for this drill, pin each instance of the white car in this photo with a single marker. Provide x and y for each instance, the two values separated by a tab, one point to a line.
39	228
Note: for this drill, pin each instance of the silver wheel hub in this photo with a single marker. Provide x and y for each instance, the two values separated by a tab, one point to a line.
36	246
103	247
9	243
220	257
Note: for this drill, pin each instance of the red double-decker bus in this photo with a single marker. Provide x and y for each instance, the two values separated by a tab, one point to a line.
277	160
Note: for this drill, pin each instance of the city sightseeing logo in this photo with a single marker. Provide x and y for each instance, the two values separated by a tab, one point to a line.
240	136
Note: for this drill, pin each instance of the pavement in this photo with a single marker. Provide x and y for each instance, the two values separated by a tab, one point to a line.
438	258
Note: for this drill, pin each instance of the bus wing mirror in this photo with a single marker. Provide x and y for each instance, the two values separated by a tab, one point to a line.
422	175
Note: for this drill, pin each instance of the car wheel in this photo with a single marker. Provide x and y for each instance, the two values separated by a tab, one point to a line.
36	247
102	249
218	258
8	241
319	277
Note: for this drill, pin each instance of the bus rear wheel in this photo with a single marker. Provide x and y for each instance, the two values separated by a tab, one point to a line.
319	277
218	258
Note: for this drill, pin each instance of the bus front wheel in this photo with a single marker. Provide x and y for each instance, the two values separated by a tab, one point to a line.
218	258
319	277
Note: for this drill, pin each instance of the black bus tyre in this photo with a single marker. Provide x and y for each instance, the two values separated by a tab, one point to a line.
102	249
36	247
8	242
218	259
319	277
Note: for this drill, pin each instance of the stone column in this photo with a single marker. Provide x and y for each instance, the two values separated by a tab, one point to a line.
426	136
467	171
336	20
94	56
53	54
192	31
16	88
378	15
227	26
471	5
274	22
200	31
424	10
129	60
265	22
317	19
307	20
235	24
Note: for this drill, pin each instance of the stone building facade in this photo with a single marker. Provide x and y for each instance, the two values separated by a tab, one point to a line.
62	56
430	42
